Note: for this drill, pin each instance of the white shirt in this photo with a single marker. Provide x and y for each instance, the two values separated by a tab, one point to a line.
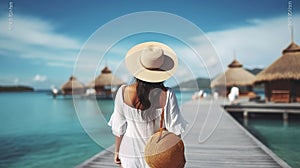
137	126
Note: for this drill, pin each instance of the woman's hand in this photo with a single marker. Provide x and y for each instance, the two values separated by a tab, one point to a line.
116	158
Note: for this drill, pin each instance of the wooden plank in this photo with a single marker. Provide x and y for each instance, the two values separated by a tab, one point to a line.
229	145
267	108
260	110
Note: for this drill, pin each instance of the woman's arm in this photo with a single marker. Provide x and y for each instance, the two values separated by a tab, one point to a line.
117	148
174	121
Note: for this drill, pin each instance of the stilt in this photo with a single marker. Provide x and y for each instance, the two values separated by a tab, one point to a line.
245	114
245	121
285	116
285	123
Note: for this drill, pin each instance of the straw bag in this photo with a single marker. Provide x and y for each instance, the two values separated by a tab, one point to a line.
164	149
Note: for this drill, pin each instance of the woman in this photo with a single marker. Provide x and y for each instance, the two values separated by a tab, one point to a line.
138	107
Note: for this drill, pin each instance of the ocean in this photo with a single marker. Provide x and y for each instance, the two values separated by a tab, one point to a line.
39	131
283	138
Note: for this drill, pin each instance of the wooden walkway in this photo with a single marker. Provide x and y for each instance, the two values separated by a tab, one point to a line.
213	139
264	108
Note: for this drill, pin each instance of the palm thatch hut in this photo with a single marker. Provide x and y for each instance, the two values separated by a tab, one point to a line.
73	86
282	77
106	83
235	75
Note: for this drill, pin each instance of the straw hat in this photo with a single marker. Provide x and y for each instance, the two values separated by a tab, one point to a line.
151	62
167	151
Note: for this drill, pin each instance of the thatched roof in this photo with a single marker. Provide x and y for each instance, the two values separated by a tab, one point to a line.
73	83
284	68
106	78
234	75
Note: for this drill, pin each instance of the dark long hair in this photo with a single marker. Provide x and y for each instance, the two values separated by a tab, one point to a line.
143	90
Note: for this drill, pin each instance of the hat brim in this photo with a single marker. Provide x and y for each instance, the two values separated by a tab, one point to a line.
133	64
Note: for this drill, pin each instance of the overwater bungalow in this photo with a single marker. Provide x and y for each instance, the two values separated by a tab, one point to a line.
235	75
73	86
282	78
106	84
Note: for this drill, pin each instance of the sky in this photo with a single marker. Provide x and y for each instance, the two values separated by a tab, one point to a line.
43	43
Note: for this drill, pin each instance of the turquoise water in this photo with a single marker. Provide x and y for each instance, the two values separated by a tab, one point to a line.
39	131
283	138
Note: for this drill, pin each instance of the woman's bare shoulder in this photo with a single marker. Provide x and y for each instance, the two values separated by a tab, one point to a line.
130	95
130	88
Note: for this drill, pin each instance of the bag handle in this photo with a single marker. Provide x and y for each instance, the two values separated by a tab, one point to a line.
162	119
162	115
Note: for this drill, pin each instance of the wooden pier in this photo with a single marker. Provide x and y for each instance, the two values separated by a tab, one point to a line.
213	139
265	108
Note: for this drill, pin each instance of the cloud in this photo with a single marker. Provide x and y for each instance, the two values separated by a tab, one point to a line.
199	61
39	78
16	81
33	31
33	38
257	45
60	64
9	81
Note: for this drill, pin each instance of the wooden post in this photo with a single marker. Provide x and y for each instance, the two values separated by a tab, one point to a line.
285	116
285	123
245	121
245	114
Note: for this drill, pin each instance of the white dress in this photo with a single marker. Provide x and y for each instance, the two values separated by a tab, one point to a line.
137	126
